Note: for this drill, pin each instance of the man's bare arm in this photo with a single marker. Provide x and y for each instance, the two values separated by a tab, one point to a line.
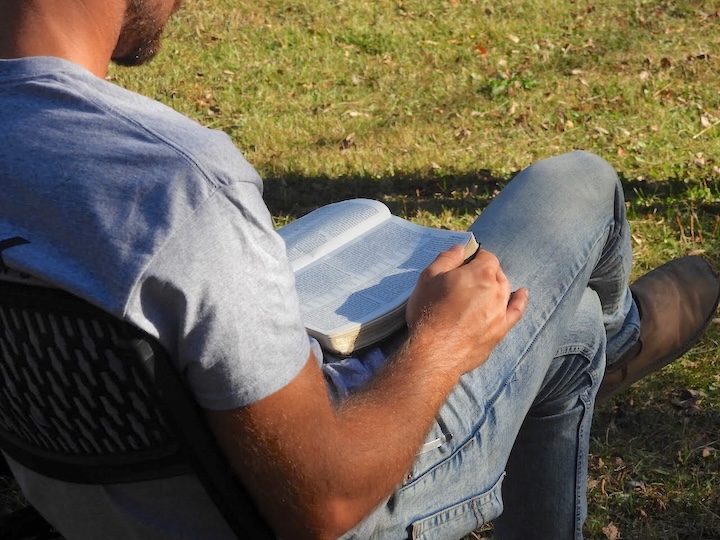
316	470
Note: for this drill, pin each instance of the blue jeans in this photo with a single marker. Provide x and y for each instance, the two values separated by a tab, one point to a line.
519	425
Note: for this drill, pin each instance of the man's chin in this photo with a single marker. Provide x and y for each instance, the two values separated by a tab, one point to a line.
139	55
130	61
133	60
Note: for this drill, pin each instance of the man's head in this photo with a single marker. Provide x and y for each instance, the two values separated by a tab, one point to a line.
139	39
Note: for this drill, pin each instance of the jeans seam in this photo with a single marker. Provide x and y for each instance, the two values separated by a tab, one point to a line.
502	387
578	348
581	467
475	503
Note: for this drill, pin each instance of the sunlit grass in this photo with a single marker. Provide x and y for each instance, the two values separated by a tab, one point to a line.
433	106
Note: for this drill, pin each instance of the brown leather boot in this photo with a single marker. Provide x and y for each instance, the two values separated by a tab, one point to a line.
676	302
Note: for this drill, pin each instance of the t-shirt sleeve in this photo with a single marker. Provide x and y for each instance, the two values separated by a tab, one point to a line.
221	296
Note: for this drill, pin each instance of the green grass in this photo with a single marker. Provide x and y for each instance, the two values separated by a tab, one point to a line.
433	106
441	88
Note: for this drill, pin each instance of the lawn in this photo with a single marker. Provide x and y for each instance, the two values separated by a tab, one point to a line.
432	106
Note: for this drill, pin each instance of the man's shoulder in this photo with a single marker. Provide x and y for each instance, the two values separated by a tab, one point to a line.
210	151
99	178
103	116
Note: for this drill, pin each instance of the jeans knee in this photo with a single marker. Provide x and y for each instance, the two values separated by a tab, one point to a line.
578	180
596	175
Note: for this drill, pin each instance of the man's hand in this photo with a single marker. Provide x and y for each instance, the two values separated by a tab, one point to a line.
465	309
316	469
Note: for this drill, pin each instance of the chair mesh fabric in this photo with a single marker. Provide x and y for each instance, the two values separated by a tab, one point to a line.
76	401
86	397
69	386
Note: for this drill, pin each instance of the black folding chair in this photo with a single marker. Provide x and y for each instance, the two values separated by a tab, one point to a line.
88	398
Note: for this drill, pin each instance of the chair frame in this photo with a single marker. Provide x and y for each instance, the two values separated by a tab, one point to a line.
34	318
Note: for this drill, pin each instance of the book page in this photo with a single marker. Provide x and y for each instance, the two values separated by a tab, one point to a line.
371	275
318	233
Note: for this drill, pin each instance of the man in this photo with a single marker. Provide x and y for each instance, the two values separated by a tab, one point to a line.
489	400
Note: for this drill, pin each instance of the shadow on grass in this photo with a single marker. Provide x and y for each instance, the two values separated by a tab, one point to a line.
655	464
688	207
295	195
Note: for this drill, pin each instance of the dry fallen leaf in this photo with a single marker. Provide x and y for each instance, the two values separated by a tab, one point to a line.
692	393
633	485
611	531
462	133
347	142
355	114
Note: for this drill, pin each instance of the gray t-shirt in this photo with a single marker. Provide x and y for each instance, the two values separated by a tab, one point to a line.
154	218
160	221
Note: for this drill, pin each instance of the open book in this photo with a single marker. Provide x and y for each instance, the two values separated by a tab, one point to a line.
355	266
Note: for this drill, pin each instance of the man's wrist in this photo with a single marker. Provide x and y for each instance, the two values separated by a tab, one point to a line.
423	350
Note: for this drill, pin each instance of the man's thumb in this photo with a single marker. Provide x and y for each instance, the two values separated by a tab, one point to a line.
446	261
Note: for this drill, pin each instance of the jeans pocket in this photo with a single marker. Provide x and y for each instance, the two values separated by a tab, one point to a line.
461	518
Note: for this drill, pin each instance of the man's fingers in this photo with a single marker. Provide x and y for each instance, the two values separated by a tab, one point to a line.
446	261
516	306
